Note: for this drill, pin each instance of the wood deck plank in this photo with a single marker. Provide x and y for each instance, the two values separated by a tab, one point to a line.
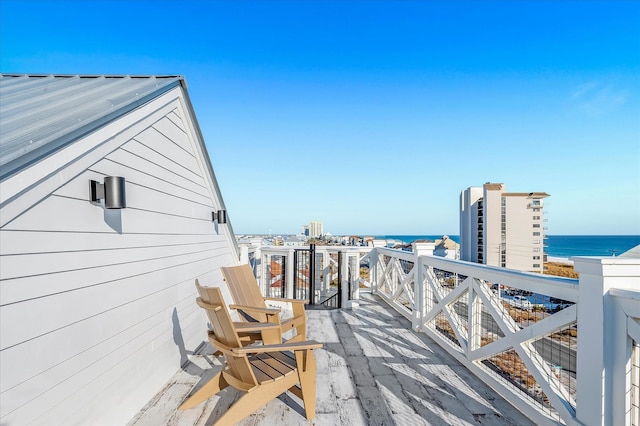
372	370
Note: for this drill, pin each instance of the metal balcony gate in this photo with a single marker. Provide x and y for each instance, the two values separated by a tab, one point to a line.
310	282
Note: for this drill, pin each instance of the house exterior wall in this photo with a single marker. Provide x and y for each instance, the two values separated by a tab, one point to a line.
97	307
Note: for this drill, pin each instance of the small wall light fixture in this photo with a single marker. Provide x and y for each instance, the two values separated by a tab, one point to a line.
111	191
220	216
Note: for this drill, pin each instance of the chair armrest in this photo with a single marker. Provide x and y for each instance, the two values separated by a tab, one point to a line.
297	346
255	326
268	311
280	299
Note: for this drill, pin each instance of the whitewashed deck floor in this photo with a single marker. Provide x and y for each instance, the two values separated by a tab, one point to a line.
372	370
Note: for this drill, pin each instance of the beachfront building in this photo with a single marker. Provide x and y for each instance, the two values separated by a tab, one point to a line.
504	229
315	229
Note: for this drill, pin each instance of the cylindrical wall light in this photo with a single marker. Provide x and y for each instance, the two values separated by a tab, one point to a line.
112	191
220	216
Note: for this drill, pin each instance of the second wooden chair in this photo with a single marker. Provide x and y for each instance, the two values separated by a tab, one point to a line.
253	306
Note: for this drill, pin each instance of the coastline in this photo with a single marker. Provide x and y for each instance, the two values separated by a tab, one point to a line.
560	248
564	260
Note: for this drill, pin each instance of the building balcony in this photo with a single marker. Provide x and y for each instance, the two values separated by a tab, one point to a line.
372	369
98	311
426	340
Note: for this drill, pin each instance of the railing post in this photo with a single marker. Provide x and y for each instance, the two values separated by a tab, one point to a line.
474	323
376	266
263	275
290	271
373	270
255	245
296	260
603	345
244	254
418	309
341	275
420	249
284	280
312	274
354	290
326	271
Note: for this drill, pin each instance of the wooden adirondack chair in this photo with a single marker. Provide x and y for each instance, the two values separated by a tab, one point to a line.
252	305
249	332
262	371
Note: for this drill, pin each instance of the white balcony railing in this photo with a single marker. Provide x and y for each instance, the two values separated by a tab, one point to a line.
267	261
563	351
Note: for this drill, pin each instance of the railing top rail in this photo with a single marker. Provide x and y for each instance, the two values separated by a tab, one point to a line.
331	249
607	260
281	249
400	254
624	293
608	265
563	288
354	249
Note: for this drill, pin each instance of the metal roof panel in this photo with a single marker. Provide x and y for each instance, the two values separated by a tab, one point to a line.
40	114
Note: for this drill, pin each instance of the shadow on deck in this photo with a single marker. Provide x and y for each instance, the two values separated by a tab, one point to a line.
372	370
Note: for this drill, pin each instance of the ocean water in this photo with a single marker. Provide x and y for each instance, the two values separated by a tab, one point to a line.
590	245
559	245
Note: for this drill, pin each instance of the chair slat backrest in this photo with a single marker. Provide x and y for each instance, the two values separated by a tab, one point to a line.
243	285
206	294
224	332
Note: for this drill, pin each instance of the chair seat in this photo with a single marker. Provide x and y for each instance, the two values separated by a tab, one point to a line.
269	367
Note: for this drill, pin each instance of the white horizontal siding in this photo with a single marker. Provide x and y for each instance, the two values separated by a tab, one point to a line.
171	184
19	242
103	340
174	132
101	268
98	306
176	118
102	361
81	216
125	379
27	317
176	159
158	166
30	265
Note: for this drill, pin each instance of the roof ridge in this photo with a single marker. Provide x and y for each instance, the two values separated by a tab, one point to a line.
92	75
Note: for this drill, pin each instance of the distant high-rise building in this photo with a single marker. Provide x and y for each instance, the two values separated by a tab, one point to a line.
504	229
315	229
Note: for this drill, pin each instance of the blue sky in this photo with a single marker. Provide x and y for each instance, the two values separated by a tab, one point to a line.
373	116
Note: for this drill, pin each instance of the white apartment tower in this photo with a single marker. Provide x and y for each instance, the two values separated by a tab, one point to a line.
504	229
315	229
